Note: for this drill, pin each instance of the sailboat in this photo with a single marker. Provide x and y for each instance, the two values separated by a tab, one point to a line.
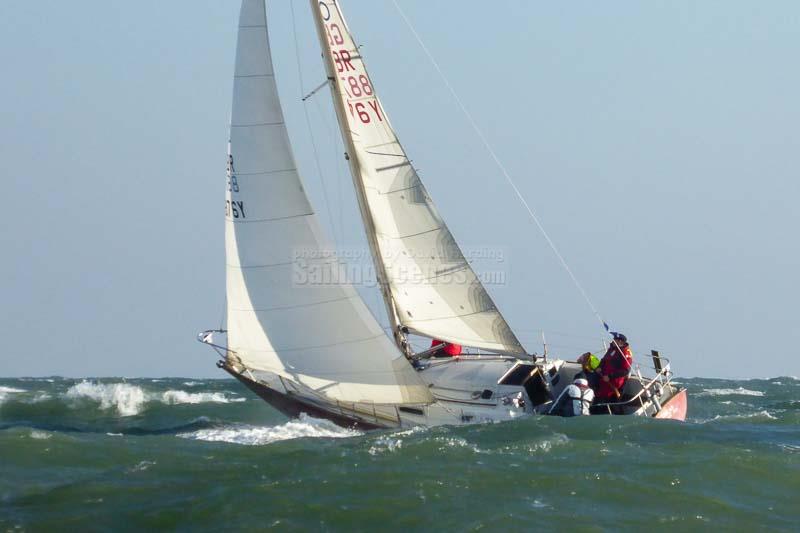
301	337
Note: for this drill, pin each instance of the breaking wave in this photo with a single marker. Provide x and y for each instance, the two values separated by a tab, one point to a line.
129	400
179	396
302	427
125	398
740	391
5	391
759	415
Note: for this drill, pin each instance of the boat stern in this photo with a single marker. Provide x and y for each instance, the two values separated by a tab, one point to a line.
675	407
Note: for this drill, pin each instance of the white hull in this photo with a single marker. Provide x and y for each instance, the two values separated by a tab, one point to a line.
466	389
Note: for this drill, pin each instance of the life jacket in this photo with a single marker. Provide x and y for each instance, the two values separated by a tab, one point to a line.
591	363
616	365
579	399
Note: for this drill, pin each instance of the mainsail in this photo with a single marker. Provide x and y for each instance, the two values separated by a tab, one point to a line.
429	286
287	313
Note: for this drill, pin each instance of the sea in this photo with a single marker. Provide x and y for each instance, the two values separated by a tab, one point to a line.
99	454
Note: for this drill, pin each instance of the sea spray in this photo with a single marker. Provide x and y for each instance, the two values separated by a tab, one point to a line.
304	426
125	398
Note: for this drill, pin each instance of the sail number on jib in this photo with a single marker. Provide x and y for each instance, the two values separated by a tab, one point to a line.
355	83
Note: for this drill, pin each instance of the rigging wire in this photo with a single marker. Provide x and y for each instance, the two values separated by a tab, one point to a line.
501	166
336	150
308	123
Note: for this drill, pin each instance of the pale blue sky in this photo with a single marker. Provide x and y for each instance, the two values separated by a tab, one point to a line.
658	142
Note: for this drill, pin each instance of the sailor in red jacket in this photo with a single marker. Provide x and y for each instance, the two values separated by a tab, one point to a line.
449	349
614	369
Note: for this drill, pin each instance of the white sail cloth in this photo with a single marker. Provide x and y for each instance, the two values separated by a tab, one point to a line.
433	288
310	329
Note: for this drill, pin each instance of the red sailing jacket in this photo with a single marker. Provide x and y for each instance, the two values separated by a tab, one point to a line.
616	365
449	349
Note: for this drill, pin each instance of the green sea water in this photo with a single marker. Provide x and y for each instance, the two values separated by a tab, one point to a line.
207	455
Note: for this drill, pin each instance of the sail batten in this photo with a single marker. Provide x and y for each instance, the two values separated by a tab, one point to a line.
281	320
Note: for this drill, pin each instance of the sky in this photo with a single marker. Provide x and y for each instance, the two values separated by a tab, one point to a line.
657	142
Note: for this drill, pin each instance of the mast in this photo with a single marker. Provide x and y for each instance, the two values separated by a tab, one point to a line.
398	334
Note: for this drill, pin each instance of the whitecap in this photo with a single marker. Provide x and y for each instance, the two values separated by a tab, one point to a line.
457	442
125	398
141	466
385	444
547	444
5	391
192	383
41	396
730	392
40	435
304	426
757	414
179	396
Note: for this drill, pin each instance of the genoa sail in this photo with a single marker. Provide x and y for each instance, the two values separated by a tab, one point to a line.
317	332
429	286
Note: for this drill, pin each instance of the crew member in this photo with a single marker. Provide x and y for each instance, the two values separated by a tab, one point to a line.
575	400
449	348
589	363
614	369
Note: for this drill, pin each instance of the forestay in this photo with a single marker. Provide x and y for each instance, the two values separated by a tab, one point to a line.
286	312
429	285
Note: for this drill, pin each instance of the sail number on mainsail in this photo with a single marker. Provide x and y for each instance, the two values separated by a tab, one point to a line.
233	208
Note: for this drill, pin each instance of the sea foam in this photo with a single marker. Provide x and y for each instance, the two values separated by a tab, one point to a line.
179	396
129	400
5	391
125	398
303	427
740	391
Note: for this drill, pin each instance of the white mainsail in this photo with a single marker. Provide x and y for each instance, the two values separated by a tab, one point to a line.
429	286
317	332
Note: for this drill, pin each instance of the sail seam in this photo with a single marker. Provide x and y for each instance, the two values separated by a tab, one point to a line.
269	75
355	341
401	237
399	190
490	310
281	123
298	306
265	172
321	374
367	150
270	219
389	143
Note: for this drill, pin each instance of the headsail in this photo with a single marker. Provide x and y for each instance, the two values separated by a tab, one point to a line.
319	334
429	286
